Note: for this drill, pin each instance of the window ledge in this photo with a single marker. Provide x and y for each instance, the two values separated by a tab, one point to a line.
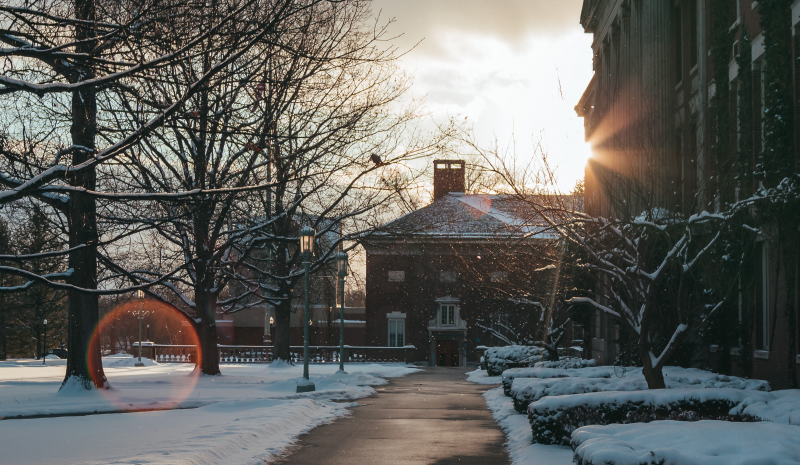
713	348
736	351
762	354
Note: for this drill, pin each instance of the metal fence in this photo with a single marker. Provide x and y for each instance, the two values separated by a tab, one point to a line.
163	353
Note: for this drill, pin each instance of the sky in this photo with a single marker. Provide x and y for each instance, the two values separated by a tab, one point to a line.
514	68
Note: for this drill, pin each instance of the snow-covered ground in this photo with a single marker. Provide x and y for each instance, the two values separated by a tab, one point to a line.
250	414
482	377
688	443
518	432
517	428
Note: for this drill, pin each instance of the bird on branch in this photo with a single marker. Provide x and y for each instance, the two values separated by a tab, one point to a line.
377	160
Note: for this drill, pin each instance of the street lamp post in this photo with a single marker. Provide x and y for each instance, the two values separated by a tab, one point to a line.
44	344
341	262
140	296
306	246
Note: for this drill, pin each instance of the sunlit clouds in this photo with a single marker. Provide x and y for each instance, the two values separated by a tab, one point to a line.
514	69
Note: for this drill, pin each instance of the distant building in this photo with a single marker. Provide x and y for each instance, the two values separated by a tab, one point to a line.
428	271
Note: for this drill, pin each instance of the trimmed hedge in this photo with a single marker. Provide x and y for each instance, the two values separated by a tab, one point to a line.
554	422
499	359
546	373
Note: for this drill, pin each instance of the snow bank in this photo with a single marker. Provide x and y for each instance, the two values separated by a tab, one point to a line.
680	443
783	407
120	361
518	431
482	377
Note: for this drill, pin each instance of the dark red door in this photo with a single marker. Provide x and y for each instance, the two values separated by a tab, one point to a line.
447	353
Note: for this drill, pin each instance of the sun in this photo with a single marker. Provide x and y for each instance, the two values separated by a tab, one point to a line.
587	152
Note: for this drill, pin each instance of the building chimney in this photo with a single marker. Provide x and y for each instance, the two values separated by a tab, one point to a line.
448	176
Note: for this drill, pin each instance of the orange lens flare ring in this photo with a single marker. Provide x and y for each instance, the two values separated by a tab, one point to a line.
173	390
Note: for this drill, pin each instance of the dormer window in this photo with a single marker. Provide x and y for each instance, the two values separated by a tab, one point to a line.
447	314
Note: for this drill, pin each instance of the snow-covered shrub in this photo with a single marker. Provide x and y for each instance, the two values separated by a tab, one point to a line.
523	391
553	419
567	362
499	359
679	443
544	373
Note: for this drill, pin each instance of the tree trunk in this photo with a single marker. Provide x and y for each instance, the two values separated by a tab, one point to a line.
283	331
207	311
654	375
84	363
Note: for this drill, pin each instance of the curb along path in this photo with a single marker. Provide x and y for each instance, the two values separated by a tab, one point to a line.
429	417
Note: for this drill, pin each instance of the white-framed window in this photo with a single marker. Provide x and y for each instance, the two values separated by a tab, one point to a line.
499	276
447	314
448	276
397	276
397	329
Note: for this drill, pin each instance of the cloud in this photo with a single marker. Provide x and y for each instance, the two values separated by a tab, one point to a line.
515	68
508	20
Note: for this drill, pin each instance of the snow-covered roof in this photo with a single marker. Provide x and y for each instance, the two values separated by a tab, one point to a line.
471	216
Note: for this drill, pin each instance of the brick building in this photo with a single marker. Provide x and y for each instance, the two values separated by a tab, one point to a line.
434	274
678	116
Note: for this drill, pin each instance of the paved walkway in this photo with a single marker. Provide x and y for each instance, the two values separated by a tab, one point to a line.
429	417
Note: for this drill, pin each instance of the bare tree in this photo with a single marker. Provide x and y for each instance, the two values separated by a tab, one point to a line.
647	269
62	62
288	137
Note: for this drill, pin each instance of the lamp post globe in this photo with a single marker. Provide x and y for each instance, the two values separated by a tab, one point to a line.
306	250
44	343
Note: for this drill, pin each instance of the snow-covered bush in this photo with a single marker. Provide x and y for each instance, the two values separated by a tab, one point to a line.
523	391
567	362
499	359
553	419
679	443
544	373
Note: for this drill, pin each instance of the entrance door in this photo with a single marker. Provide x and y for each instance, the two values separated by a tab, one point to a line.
447	353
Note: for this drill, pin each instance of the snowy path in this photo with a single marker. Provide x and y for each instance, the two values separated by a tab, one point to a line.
250	415
432	416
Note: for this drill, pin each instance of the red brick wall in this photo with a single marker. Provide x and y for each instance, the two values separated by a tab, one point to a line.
417	294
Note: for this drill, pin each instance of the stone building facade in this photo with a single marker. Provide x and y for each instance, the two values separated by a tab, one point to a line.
670	130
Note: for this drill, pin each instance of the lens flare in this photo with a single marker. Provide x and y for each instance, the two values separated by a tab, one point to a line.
172	390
